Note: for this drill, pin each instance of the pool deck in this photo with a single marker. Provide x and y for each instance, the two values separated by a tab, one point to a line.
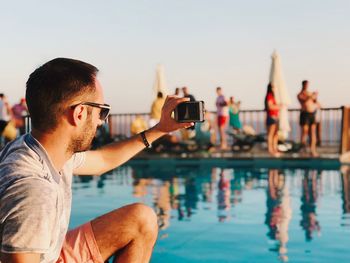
257	157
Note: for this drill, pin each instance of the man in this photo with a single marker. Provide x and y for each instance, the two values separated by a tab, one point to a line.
66	104
222	116
187	94
309	106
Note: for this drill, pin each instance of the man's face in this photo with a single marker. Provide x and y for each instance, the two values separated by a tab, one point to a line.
82	142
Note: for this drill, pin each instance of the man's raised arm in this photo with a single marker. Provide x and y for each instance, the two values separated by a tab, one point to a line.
111	156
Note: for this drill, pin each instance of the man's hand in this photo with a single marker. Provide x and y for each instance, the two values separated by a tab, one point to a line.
167	123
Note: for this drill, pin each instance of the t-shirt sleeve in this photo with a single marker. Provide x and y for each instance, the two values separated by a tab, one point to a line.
78	160
28	216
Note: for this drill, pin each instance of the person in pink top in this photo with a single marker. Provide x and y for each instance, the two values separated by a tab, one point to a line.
19	111
272	120
222	116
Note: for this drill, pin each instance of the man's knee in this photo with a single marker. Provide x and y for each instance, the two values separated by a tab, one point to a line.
146	218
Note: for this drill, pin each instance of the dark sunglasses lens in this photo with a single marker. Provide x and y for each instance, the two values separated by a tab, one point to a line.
104	114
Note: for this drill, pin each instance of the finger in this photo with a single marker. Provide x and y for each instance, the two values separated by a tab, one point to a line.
166	102
186	125
170	97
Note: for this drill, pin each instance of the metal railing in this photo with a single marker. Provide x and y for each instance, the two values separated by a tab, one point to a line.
330	120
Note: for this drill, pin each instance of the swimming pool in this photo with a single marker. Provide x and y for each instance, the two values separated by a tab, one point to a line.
223	214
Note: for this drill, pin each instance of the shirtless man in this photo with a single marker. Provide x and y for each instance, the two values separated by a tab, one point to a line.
309	106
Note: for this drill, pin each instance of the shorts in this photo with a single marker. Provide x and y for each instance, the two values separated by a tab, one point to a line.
222	120
80	246
307	118
271	120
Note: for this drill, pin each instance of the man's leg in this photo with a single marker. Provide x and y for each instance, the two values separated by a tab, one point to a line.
223	141
275	139
313	140
304	134
270	133
130	232
318	134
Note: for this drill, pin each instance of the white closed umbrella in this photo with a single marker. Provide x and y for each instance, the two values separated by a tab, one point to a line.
160	81
281	93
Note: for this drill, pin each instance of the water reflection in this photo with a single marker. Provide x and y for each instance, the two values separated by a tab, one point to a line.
308	207
345	179
162	204
279	212
237	187
224	194
194	194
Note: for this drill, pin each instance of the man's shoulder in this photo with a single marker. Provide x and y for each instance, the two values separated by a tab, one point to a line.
18	151
18	160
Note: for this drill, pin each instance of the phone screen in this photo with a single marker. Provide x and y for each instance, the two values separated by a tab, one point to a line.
190	111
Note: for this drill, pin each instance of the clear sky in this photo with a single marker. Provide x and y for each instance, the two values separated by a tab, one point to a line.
201	43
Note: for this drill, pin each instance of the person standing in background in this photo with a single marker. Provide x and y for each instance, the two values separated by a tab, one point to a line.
19	111
222	116
187	94
272	120
5	108
234	109
7	127
309	106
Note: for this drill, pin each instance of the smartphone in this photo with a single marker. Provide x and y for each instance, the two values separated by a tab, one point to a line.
190	111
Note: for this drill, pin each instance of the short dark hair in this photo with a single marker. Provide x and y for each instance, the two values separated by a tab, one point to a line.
159	94
51	87
304	82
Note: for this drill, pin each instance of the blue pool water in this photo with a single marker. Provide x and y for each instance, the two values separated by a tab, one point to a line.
213	214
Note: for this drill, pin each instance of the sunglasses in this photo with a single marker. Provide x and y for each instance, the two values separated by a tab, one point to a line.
105	108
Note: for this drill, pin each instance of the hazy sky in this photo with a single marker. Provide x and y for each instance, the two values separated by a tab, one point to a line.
202	44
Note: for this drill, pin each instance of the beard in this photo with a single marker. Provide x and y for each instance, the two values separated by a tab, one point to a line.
83	141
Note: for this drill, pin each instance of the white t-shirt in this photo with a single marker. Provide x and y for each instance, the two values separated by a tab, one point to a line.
35	199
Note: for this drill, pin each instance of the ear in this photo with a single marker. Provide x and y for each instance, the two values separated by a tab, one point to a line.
78	115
